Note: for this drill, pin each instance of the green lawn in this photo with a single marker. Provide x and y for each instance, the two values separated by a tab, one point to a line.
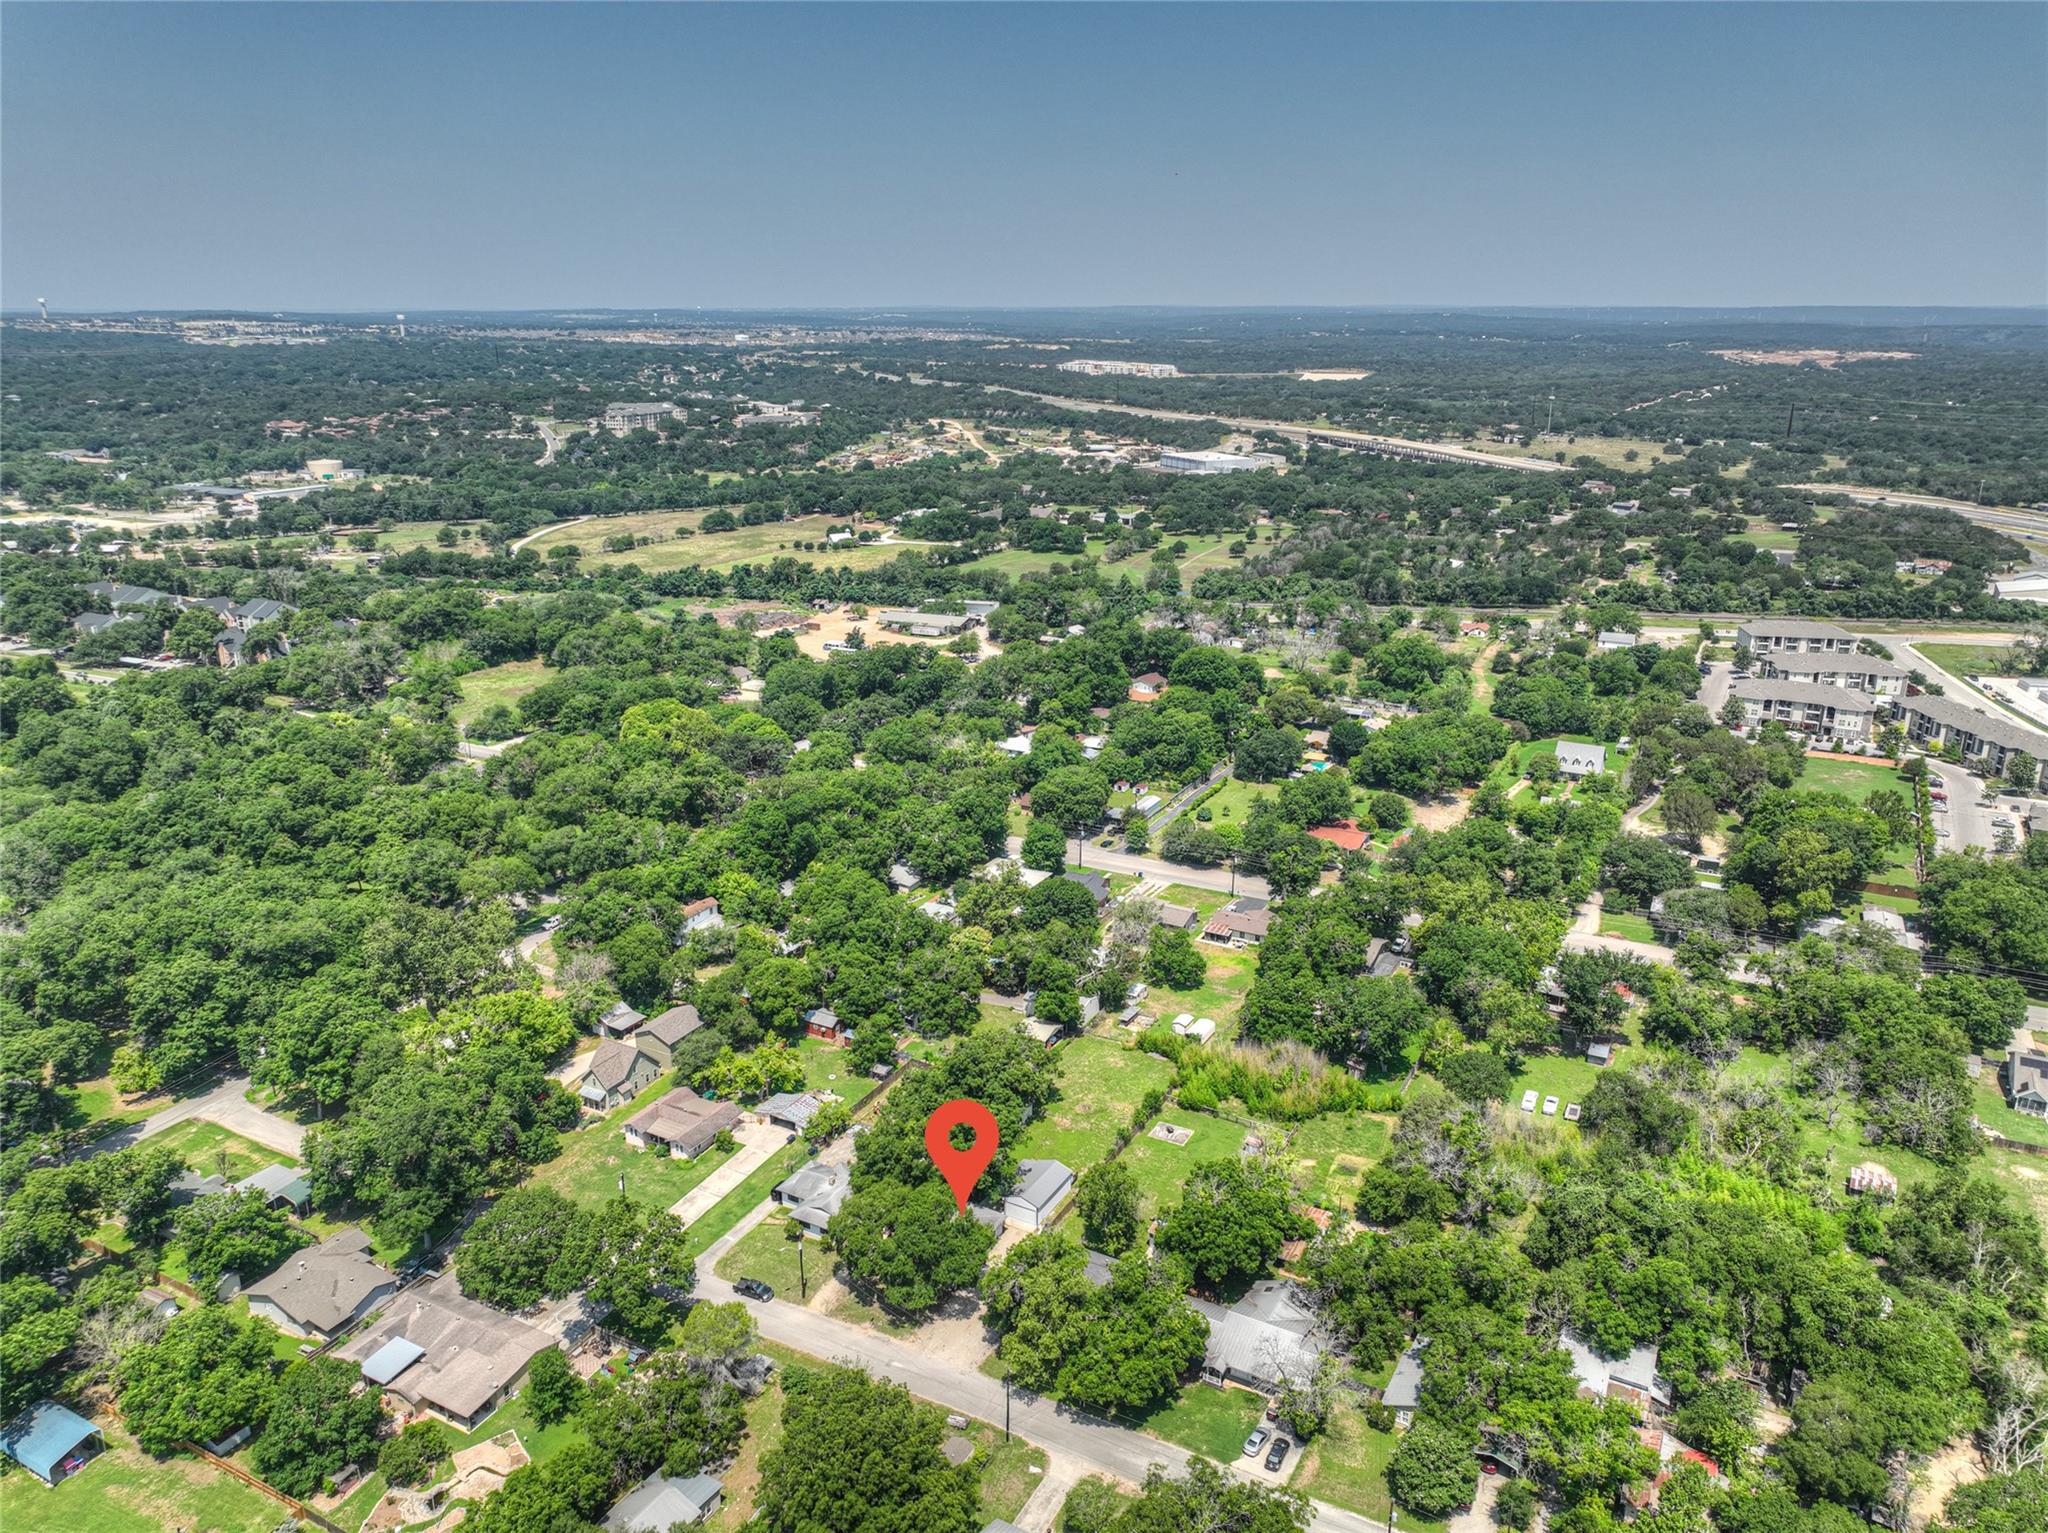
1347	1467
1204	902
94	1108
1988	1102
1206	1420
1219	997
828	1067
766	1252
1622	924
594	1156
673	550
738	1203
124	1490
497	684
1024	561
1010	1471
1567	1079
1231	803
1965	660
1331	1154
1843	1145
1100	1082
1854	780
213	1151
1161	1169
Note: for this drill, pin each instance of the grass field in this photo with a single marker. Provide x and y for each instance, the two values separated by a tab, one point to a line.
594	1156
498	684
1854	780
1567	1079
1331	1154
828	1067
213	1151
1622	924
124	1490
1231	803
1968	659
1347	1467
1219	997
1100	1082
766	1252
95	1108
738	1203
711	550
1161	1169
1205	1419
1843	1145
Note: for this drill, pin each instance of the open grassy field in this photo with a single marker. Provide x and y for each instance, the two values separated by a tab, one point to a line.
1161	1170
1024	561
1220	997
827	1067
213	1151
766	1252
124	1490
1855	780
1330	1155
497	684
1100	1082
1622	924
671	550
95	1108
1969	659
1608	451
595	1156
1843	1144
1347	1467
1206	1419
1231	803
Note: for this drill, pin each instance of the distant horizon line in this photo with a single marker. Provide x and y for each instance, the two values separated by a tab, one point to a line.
899	311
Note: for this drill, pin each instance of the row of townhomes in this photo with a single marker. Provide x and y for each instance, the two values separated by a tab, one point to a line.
1811	678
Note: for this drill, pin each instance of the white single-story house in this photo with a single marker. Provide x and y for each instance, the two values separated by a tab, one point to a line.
1574	760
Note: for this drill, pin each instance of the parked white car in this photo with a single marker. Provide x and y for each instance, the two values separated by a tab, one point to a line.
1528	1101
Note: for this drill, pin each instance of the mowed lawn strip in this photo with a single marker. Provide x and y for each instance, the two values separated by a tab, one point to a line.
124	1490
1100	1083
1161	1169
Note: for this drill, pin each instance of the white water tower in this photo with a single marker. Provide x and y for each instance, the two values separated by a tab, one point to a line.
44	305
401	327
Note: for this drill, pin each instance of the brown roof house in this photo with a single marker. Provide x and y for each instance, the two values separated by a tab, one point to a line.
1244	922
618	1072
440	1352
323	1289
658	1036
680	1122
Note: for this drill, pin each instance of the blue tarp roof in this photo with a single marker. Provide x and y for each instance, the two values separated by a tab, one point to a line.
41	1437
392	1359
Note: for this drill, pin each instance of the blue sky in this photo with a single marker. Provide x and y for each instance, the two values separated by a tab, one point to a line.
477	156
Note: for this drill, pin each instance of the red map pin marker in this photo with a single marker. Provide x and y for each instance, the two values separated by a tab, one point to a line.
961	1168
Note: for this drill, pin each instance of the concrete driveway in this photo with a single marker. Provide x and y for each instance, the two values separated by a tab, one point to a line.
226	1104
758	1141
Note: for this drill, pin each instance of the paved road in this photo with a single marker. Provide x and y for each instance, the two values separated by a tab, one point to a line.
227	1105
1967	824
758	1141
1295	429
554	440
1064	1432
2005	518
1714	686
1100	860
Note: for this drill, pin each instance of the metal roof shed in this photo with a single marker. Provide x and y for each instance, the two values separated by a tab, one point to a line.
46	1438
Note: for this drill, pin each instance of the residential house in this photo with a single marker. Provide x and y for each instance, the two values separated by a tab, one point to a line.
1177	918
1986	742
1859	673
1612	639
1826	713
619	1020
823	1022
618	1073
1575	760
662	1502
702	915
1344	835
1244	922
680	1122
1632	1376
1270	1336
814	1193
122	597
903	877
440	1352
1147	688
2026	1081
94	622
1403	1394
792	1109
52	1442
1042	1187
658	1036
1793	636
1096	885
322	1290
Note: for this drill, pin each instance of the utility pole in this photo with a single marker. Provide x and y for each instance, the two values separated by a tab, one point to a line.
1789	416
1549	414
803	1282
